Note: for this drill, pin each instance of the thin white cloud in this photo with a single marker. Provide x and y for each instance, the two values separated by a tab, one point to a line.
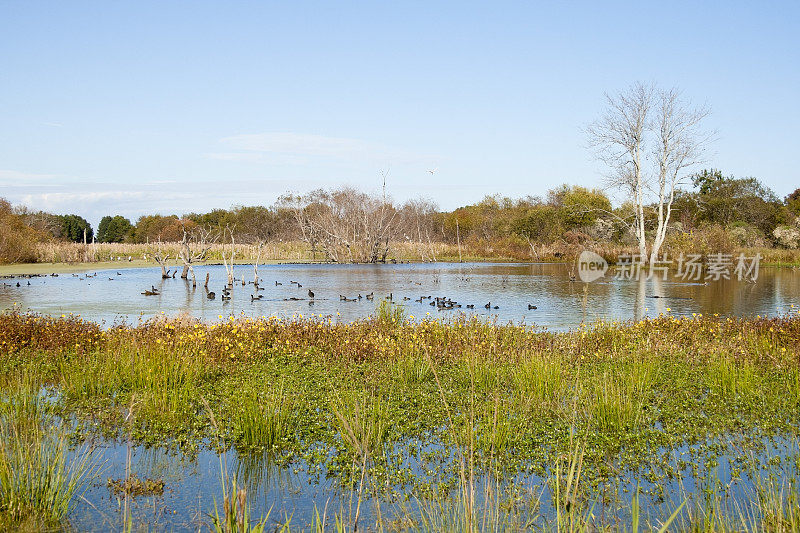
297	147
250	157
58	200
10	178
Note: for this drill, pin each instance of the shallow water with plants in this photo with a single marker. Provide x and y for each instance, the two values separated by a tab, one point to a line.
541	294
389	423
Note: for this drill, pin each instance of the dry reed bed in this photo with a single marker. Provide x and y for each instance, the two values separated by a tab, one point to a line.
508	249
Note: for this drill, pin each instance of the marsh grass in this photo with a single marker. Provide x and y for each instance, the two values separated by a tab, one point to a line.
40	478
770	504
261	419
164	382
390	314
540	381
794	384
451	514
571	511
474	249
411	371
495	400
361	419
619	396
733	379
236	509
235	516
777	505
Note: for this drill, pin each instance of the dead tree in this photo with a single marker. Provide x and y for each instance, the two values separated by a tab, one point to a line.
229	256
161	258
194	248
259	248
416	218
349	226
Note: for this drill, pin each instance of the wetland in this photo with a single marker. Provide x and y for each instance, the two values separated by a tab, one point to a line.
390	422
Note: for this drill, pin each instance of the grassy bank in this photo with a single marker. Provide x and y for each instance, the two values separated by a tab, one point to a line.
465	401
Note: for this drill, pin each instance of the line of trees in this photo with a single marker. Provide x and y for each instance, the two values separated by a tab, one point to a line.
346	225
73	228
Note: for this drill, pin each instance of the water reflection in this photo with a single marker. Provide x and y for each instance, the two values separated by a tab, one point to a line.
560	303
714	469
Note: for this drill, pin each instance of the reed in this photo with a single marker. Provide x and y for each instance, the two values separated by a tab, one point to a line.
508	248
40	478
261	419
235	516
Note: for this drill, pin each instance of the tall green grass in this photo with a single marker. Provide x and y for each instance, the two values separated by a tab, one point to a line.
730	378
261	419
619	395
40	479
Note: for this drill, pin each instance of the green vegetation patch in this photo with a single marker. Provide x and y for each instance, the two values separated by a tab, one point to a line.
406	408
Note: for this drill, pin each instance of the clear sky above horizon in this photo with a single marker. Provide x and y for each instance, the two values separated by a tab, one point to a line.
172	107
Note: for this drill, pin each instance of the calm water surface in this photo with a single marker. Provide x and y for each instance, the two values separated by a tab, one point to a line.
193	486
116	295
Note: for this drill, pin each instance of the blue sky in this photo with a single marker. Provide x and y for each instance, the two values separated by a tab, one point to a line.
171	107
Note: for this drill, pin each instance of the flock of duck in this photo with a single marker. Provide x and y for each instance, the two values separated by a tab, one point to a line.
439	302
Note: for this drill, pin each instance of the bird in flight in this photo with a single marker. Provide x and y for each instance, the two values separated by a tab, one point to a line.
433	171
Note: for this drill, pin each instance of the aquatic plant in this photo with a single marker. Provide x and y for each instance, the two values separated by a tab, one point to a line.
235	517
457	408
261	419
40	479
134	486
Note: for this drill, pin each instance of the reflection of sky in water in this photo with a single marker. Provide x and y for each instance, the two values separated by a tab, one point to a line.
193	485
560	303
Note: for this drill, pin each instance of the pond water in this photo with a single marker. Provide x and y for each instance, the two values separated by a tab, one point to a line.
294	493
114	295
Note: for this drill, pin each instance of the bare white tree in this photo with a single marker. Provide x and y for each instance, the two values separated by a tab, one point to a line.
259	247
680	143
618	138
228	256
648	137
